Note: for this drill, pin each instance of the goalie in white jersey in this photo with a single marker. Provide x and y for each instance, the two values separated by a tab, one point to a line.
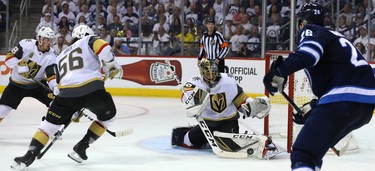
30	60
218	99
81	86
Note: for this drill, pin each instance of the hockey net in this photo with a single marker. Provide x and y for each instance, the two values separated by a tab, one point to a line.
279	122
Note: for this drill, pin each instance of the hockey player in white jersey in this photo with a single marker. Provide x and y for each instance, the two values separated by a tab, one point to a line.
30	60
218	99
81	86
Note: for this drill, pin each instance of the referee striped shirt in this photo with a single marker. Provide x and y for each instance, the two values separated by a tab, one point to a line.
213	46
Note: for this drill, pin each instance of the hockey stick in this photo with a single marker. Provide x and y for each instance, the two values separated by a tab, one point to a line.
57	136
337	151
173	71
42	85
114	134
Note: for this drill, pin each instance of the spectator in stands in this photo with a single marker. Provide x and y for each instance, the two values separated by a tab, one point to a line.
59	46
236	39
81	21
219	9
47	7
162	22
113	5
254	42
344	29
68	14
361	48
46	23
328	23
115	27
237	17
204	7
233	8
273	14
125	32
273	31
212	14
229	28
83	2
120	49
63	32
250	7
65	23
105	36
130	16
188	40
194	14
348	13
175	14
245	22
161	12
111	14
242	50
171	5
85	13
72	6
102	12
186	8
363	37
96	26
176	27
161	42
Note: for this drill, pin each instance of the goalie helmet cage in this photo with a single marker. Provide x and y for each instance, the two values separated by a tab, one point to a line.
279	123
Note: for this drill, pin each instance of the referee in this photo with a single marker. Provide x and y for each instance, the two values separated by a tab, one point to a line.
213	46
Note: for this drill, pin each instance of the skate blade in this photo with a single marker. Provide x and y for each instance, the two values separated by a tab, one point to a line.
18	166
74	156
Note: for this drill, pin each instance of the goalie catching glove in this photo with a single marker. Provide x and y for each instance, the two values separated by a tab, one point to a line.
258	107
300	118
273	81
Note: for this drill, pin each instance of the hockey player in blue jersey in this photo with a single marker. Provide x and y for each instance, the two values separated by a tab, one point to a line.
339	76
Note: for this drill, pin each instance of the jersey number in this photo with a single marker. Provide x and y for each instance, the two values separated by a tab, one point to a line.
354	57
74	61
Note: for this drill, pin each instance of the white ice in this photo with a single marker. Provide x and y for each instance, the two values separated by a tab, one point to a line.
148	148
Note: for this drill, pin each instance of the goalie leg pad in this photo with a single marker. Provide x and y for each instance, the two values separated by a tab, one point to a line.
178	135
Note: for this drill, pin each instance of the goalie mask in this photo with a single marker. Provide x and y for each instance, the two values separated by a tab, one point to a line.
208	70
311	13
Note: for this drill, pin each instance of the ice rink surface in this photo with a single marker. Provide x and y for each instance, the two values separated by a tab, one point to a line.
148	148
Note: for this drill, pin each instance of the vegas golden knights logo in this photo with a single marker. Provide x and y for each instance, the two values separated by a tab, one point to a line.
218	102
34	68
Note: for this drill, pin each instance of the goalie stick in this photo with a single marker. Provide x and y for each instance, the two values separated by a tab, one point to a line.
210	138
338	151
173	71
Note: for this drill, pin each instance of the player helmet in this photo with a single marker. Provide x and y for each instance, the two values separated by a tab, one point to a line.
82	31
208	70
311	13
46	32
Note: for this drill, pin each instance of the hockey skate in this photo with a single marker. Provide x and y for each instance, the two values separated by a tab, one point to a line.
270	150
79	152
21	163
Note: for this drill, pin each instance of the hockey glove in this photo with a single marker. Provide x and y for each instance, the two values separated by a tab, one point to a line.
300	118
258	107
23	69
111	69
273	81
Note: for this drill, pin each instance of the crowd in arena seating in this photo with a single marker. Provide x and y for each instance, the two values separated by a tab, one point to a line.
160	26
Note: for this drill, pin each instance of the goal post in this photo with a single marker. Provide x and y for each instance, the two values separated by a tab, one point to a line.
279	122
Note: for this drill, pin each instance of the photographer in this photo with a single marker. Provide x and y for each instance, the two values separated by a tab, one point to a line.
120	49
242	50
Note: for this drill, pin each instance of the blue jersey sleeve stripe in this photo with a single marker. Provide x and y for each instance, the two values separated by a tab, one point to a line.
318	45
311	52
